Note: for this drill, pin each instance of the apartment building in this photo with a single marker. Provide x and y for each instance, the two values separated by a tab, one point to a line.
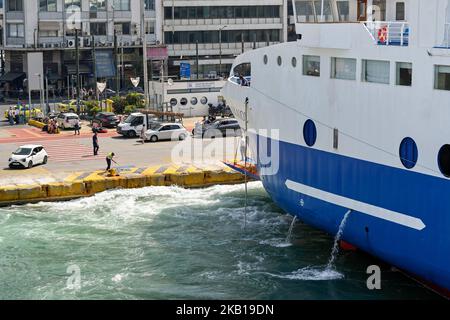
223	30
47	26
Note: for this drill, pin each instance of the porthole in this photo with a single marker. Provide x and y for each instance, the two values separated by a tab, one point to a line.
294	62
279	60
266	59
173	102
183	101
194	101
444	160
309	132
408	153
204	100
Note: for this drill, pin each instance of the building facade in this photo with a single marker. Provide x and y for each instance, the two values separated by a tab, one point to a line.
110	40
223	30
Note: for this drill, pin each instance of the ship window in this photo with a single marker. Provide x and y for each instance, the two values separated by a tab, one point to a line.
408	153
444	160
404	74
343	68
309	132
400	11
266	59
183	101
194	101
173	102
294	62
343	10
376	71
279	60
442	77
311	66
204	100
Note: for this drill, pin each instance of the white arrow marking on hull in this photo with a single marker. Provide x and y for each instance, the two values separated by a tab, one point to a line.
365	208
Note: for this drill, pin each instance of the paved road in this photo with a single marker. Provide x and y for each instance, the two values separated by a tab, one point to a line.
74	153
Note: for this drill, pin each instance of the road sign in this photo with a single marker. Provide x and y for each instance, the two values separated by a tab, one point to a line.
185	70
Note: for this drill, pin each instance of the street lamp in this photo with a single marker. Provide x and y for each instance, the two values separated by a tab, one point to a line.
220	49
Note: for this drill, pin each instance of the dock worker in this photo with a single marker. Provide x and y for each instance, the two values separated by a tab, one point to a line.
109	158
95	143
243	148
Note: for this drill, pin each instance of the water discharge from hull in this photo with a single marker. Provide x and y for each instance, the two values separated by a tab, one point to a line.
335	250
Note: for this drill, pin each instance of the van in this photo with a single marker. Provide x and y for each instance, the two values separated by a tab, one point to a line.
67	120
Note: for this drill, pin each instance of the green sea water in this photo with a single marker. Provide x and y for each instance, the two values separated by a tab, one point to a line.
173	243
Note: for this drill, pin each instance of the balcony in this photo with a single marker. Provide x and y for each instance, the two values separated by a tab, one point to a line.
388	33
50	16
217	22
232	48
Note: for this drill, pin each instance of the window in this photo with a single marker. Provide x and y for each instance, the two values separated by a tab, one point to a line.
309	133
311	66
98	28
400	11
404	73
16	30
183	101
343	68
15	5
442	77
408	153
69	3
294	62
266	59
48	33
150	27
47	5
376	71
444	160
194	101
204	100
279	60
149	4
343	10
122	5
97	5
173	102
123	28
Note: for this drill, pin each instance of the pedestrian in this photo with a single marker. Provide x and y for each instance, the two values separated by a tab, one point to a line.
77	127
95	143
243	148
143	134
109	158
17	115
11	116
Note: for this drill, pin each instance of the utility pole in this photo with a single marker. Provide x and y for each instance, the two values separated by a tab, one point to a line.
116	56
144	54
196	58
94	60
220	50
77	49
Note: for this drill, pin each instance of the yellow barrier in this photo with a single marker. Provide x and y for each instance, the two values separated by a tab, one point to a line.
95	182
36	124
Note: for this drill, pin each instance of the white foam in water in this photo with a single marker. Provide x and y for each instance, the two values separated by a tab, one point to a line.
277	243
311	274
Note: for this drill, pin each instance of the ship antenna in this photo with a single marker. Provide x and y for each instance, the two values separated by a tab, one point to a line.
245	162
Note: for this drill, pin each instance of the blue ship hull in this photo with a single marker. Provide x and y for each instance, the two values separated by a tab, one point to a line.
422	251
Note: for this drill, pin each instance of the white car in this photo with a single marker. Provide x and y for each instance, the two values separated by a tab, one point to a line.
27	156
166	131
67	120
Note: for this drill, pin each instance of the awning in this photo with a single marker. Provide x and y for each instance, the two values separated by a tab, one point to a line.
11	76
84	69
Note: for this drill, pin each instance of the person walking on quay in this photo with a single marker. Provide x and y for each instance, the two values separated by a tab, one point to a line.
142	135
11	116
77	127
109	159
95	143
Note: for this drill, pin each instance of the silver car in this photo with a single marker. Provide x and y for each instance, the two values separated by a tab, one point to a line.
165	131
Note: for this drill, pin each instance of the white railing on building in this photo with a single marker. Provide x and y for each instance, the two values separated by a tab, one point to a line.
227	21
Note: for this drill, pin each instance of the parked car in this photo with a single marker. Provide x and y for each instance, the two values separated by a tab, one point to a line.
27	156
222	128
67	120
165	131
106	119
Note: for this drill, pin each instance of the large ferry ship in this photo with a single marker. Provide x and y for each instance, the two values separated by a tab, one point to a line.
354	117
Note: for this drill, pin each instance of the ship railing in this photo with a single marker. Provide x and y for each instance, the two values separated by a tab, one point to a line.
389	33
